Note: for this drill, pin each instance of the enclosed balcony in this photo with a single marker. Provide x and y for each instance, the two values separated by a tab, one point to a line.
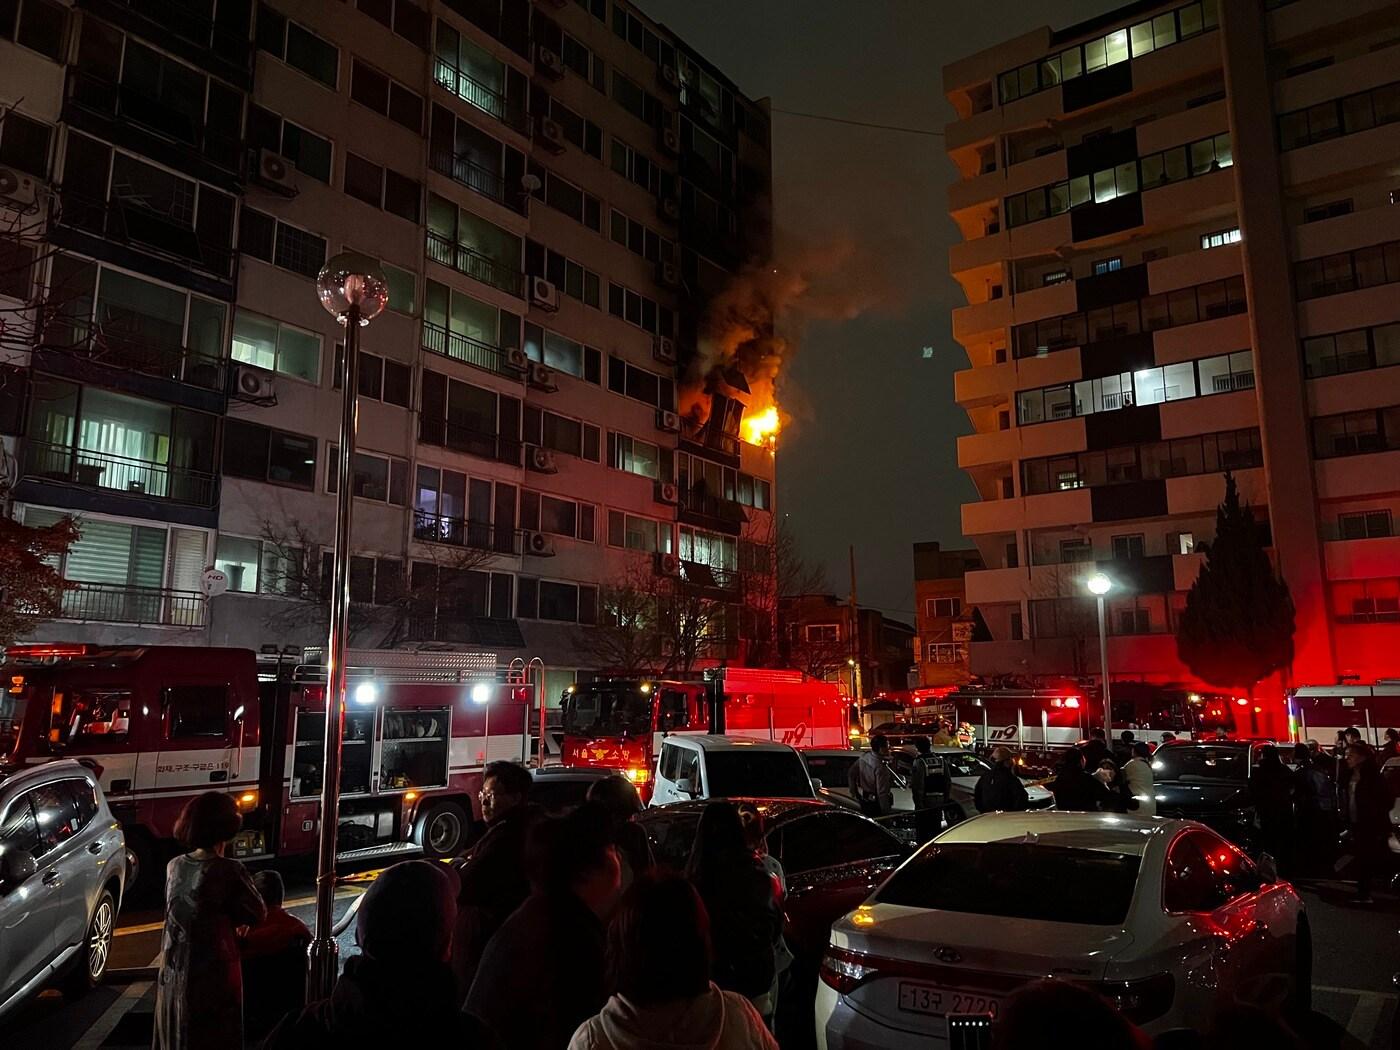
221	44
467	260
430	527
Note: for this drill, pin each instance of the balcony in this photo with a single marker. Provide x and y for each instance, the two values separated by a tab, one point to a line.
710	581
460	438
477	94
176	26
104	470
479	267
459	532
126	116
478	179
145	606
698	507
130	342
464	348
703	437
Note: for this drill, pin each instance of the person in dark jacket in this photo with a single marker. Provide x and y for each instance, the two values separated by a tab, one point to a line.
492	873
925	790
1391	748
1314	812
274	961
741	899
1367	813
1123	749
1095	749
1270	790
617	795
399	990
542	974
1000	789
1075	789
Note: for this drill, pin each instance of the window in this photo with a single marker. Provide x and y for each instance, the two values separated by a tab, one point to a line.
709	548
639	534
551	600
558	517
1076	551
373	580
1220	238
39	25
1126	547
1364	525
946	652
280	243
404	17
1356	433
311	153
564	196
1103	266
826	633
1330	210
639	239
1054	277
562	434
468	418
641	103
386	96
403	288
571	278
382	187
635	167
380	479
943	608
755	492
55	814
260	453
1347	271
1342	116
641	385
297	46
640	310
631	28
1367	601
636	456
277	347
195	711
24	143
379	379
563	354
582	132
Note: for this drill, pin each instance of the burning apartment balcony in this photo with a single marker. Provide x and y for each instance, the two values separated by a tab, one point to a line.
130	604
459	532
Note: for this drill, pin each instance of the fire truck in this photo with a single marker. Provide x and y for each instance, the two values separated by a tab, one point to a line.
162	724
619	723
1320	712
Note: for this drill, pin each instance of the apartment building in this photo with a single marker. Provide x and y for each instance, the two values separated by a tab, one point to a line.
947	623
1179	232
867	652
554	191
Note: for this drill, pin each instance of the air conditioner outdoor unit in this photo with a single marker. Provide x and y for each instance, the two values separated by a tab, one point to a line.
666	492
670	208
664	350
668	421
669	77
669	274
541	377
670	141
551	135
516	359
542	460
252	384
549	63
544	293
538	544
668	565
18	191
275	172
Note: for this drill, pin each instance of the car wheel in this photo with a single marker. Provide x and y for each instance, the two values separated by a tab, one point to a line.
442	830
96	952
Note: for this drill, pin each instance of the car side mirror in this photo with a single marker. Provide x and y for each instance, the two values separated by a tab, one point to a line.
17	866
1268	868
686	786
817	786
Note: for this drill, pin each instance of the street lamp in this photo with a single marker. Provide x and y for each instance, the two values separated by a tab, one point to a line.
1099	585
352	287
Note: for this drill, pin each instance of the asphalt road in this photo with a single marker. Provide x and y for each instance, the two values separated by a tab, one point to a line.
1356	950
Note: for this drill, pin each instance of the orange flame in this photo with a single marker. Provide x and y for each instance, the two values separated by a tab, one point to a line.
762	427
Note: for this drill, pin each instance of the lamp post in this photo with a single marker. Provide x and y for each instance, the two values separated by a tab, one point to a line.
352	288
1099	585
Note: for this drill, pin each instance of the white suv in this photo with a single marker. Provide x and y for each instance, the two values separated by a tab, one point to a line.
63	869
691	767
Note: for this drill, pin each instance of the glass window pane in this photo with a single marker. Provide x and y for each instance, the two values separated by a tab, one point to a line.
1104	188
1189	18
255	340
1386	340
1164	29
1071	63
1141	38
1126	177
238	559
1179	381
1094	56
1079	191
1116	47
1174	161
299	354
1152	171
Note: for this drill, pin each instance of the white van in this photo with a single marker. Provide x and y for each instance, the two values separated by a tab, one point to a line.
692	767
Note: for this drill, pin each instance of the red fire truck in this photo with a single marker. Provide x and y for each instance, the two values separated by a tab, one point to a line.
1320	712
164	723
618	723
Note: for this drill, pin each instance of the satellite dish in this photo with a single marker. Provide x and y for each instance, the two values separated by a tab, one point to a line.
530	183
213	582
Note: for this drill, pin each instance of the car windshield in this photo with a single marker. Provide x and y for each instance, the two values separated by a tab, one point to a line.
964	765
743	773
831	770
1200	763
1018	880
608	710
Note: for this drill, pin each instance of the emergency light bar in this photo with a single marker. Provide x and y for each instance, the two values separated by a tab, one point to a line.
46	652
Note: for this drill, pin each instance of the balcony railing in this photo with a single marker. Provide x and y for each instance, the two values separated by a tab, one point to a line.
124	603
125	339
127	222
104	470
478	178
211	42
461	438
697	501
703	577
710	437
475	93
458	532
463	348
475	265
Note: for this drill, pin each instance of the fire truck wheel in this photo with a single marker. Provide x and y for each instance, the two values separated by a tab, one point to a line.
91	964
442	830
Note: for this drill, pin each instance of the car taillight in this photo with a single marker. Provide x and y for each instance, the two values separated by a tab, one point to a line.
1142	1000
845	970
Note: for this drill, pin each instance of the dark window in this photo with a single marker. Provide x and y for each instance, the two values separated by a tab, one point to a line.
195	711
1188	883
41	27
398	383
558	601
19	830
84	799
312	55
256	234
369	87
24	144
756	774
299	250
245	449
363	180
401	195
56	814
826	840
527	592
292	460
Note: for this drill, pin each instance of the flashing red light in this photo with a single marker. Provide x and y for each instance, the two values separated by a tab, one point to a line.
42	651
1241	701
1072	702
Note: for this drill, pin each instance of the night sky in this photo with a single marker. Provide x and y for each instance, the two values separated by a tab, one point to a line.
870	457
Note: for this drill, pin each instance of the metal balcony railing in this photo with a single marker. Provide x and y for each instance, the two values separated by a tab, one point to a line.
125	339
126	221
710	578
462	438
697	501
475	265
478	179
182	19
126	603
458	532
477	94
463	348
104	470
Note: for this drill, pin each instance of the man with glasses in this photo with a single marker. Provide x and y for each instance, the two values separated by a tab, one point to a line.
492	872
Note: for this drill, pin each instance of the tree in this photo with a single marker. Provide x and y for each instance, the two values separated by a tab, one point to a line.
1238	624
770	582
31	584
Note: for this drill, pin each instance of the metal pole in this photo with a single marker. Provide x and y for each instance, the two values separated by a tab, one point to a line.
1107	695
486	744
324	952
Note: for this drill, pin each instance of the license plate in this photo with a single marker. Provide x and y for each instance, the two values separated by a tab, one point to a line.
940	1002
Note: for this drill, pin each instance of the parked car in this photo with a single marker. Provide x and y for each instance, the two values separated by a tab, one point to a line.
832	858
559	789
63	871
1135	907
1208	782
695	767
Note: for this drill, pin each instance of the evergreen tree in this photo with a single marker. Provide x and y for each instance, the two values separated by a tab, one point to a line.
1238	624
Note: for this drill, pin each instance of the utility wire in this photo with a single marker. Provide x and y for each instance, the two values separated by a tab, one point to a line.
858	123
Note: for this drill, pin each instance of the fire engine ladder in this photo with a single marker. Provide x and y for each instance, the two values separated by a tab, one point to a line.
401	665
